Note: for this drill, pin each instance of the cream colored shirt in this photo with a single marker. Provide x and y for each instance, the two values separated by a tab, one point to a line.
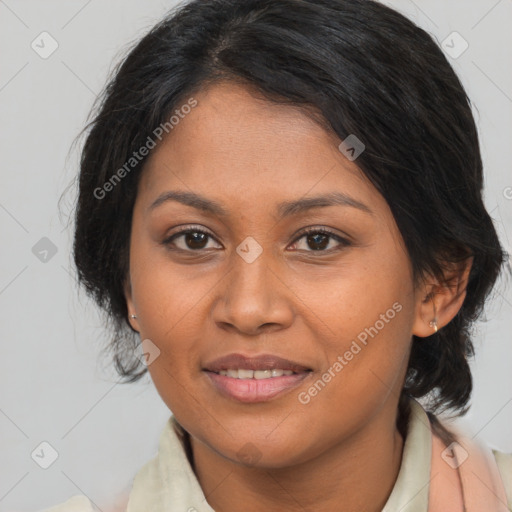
167	483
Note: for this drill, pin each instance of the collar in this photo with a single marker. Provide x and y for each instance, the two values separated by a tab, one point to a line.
411	490
167	482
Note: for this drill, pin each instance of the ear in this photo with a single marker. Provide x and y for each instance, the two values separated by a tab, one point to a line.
130	305
441	300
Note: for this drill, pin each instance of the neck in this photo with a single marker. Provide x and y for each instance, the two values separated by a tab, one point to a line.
358	474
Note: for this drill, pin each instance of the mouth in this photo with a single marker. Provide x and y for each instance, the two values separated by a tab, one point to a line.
254	379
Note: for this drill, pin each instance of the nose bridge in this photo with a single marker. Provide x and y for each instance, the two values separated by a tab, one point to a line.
251	267
252	296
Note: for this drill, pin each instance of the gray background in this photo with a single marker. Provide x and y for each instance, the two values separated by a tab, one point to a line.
55	385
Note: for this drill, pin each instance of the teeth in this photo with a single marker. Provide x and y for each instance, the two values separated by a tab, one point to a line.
262	374
254	374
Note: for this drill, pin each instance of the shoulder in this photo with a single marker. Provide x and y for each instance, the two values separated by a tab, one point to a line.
504	462
74	504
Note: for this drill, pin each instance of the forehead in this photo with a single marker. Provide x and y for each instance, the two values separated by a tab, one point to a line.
237	145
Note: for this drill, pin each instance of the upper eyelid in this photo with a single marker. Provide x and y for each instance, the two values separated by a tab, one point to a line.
191	228
303	232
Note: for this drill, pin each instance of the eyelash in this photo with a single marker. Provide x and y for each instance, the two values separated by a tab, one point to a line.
306	231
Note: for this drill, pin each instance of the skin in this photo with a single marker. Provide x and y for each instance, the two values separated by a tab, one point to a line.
305	305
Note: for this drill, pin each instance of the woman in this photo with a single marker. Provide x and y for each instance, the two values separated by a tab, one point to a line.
281	201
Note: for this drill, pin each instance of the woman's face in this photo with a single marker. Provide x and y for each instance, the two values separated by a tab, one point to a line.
342	309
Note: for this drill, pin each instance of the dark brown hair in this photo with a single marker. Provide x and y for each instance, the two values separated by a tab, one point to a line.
367	70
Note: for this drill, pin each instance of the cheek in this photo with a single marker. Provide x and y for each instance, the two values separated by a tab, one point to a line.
370	320
170	305
375	300
166	295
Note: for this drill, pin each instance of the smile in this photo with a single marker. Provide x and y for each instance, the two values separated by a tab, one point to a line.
250	388
254	374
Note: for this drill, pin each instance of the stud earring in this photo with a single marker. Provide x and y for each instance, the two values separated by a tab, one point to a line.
433	323
133	316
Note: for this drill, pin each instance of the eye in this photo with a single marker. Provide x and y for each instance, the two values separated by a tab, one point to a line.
194	239
317	239
191	239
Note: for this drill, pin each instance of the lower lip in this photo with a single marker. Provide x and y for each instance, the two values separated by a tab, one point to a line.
255	390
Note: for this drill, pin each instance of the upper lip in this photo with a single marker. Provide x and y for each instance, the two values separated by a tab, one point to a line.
260	362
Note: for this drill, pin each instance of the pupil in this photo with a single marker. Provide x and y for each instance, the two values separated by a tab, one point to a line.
314	239
192	238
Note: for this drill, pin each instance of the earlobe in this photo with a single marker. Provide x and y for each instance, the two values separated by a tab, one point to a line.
132	316
433	322
439	302
426	321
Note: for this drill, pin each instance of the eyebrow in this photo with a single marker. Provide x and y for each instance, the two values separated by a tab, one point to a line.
284	209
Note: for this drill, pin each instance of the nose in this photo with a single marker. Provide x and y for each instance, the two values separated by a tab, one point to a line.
254	299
